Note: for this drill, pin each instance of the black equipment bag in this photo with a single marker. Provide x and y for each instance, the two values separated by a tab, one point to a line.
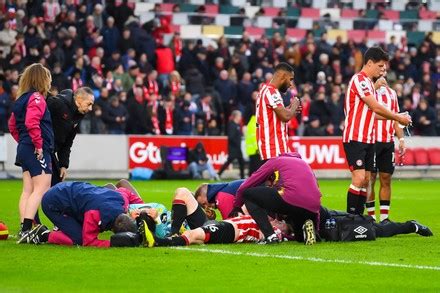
349	228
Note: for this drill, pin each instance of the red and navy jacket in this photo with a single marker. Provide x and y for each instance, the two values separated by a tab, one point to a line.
223	195
95	207
30	121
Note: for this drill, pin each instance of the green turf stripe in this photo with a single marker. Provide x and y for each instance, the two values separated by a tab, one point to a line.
312	259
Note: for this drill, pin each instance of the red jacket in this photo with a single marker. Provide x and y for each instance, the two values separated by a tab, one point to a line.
165	60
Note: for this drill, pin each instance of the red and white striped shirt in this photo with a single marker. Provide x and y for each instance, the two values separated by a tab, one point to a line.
359	118
248	230
271	131
384	129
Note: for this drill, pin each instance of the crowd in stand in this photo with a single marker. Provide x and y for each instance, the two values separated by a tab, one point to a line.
144	85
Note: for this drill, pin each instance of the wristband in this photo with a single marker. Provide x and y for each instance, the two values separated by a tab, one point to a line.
401	139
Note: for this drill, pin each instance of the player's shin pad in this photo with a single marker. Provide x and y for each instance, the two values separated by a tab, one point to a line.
124	239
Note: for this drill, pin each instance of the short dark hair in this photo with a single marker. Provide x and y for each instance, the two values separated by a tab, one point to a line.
124	223
282	66
376	54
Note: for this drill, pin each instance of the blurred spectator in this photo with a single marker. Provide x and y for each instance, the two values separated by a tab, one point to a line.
424	118
7	39
152	84
116	117
175	84
59	79
319	109
5	102
194	81
212	129
144	65
227	90
198	162
183	119
336	112
200	127
165	115
152	108
314	128
234	143
164	63
111	36
244	92
97	125
138	121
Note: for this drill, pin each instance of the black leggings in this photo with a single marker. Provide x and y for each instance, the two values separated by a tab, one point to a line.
260	200
383	229
389	229
229	161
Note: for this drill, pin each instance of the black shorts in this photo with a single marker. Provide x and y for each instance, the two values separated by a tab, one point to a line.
219	232
359	155
384	160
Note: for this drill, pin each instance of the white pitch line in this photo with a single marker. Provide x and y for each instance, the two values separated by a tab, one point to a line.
312	259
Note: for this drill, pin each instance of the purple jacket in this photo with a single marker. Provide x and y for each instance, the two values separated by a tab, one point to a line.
296	184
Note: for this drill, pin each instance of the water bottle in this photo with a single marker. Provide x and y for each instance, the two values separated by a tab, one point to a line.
327	224
400	125
333	223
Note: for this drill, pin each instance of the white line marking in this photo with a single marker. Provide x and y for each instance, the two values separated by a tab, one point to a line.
313	259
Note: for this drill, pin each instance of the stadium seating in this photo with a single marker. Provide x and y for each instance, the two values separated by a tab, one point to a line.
376	35
376	25
408	159
360	4
234	30
213	31
271	11
349	13
421	157
434	156
357	35
296	34
255	31
391	15
310	13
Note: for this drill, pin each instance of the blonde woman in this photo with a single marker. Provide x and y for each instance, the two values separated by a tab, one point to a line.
31	126
176	84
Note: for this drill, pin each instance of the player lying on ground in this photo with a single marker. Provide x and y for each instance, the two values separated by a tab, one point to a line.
385	228
244	229
234	230
81	211
189	210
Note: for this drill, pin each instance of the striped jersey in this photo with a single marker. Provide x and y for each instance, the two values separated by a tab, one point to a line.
359	118
271	131
248	230
384	129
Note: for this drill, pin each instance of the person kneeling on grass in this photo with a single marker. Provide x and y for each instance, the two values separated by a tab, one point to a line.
218	196
81	211
295	193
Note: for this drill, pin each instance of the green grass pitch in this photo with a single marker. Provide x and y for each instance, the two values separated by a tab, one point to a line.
402	263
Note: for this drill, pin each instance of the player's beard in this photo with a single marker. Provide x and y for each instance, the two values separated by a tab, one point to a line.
283	89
